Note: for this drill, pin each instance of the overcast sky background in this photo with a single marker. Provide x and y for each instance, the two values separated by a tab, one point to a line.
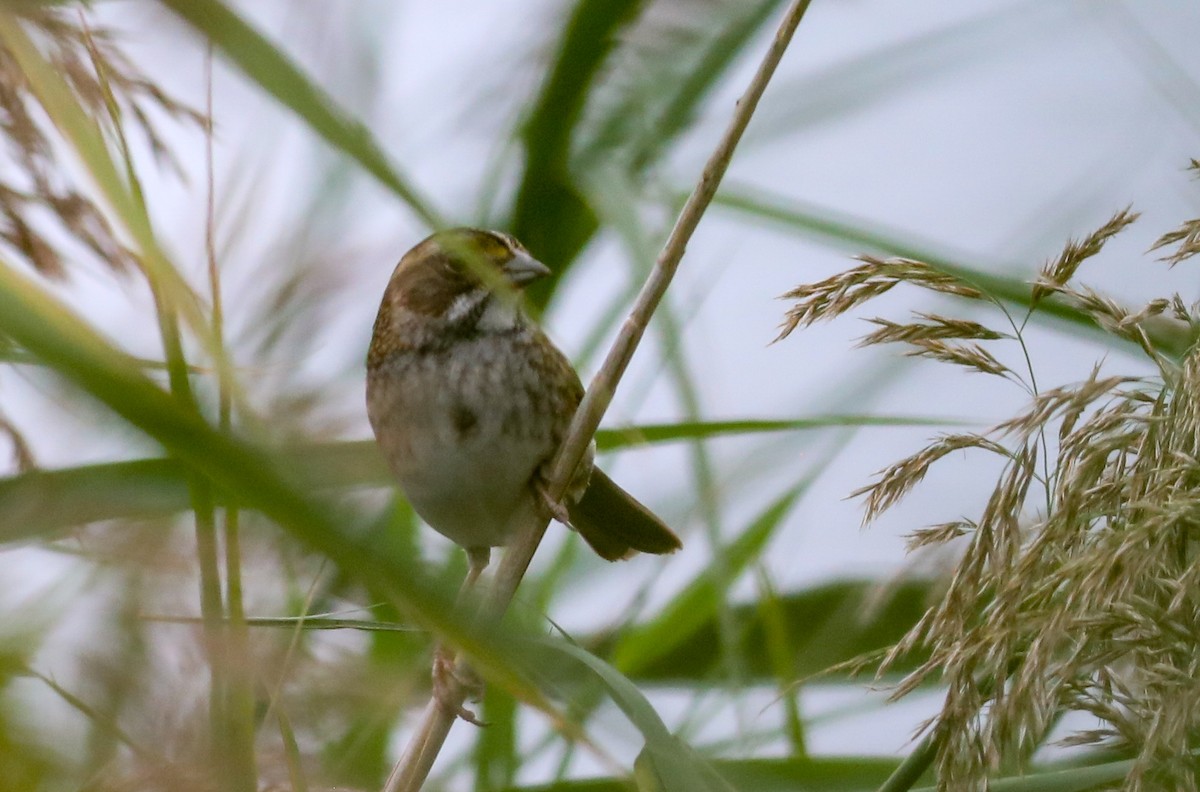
1031	123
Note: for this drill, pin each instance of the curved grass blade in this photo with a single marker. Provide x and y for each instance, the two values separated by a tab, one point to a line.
859	234
276	74
245	472
549	215
670	61
825	625
666	762
42	502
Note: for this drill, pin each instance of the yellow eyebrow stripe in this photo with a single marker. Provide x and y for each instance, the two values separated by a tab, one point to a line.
495	247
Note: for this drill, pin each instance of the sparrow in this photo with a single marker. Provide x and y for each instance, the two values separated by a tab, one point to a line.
469	400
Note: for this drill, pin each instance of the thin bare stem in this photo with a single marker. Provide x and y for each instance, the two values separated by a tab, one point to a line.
200	490
239	704
412	769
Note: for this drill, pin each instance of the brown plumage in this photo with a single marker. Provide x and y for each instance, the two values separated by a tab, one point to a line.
469	400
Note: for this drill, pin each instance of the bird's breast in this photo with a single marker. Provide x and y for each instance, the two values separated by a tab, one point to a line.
464	428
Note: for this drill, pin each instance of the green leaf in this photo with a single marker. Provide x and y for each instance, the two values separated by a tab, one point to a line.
610	439
243	471
860	235
276	74
44	501
826	625
695	607
666	762
667	65
549	215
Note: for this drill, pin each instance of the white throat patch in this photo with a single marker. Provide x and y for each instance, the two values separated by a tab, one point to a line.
498	315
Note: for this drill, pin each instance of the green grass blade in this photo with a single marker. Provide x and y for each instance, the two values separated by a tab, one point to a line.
1075	779
778	644
597	91
659	77
666	763
244	472
497	756
549	215
696	606
648	434
278	76
855	774
835	774
826	625
41	502
857	234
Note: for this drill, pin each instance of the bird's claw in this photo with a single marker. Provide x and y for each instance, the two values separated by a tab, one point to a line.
555	506
450	683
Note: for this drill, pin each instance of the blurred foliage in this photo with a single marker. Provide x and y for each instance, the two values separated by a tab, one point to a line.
234	494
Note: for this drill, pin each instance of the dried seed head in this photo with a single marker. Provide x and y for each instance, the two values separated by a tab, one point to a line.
1078	584
938	534
895	481
1187	239
934	327
104	82
971	356
1055	274
834	296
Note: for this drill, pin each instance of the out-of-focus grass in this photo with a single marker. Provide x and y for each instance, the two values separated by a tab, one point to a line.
623	84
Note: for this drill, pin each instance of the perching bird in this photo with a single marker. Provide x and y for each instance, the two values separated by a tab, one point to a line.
469	400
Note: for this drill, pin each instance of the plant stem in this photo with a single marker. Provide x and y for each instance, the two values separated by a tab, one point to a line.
239	692
913	766
412	769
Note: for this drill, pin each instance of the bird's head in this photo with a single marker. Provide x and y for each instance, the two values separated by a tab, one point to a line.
458	282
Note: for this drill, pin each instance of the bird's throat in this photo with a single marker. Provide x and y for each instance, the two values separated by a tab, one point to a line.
481	311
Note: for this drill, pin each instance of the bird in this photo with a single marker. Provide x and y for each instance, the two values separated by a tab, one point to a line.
469	400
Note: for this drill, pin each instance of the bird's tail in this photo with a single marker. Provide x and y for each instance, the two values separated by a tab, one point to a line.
616	525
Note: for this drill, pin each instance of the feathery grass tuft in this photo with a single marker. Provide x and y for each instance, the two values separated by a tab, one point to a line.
97	73
1186	237
1056	273
835	296
1078	584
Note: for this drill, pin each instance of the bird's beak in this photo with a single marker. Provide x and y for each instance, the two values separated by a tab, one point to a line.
523	269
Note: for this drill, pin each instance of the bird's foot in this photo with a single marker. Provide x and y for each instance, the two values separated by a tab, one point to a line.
451	685
557	509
